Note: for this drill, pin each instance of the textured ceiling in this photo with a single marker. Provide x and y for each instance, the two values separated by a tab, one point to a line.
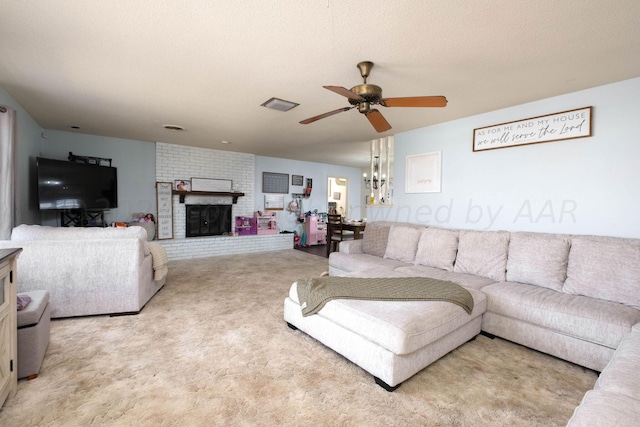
124	68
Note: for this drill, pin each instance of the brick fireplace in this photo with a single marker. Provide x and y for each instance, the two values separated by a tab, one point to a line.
178	162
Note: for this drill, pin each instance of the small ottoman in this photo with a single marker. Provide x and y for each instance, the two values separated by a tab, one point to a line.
33	333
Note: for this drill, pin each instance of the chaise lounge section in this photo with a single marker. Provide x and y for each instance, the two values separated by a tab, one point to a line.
392	340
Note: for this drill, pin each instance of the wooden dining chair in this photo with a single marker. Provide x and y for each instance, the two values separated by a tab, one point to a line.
335	233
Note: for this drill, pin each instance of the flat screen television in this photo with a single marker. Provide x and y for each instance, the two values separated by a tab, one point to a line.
64	185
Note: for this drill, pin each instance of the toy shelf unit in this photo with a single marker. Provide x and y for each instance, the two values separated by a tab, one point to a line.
267	222
259	223
315	228
246	225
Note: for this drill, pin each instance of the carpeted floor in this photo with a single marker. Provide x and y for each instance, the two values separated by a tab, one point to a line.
211	349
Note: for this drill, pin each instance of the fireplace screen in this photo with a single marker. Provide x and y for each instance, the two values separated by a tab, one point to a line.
208	220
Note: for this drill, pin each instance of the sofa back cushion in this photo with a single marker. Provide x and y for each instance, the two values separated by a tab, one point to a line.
402	243
539	260
25	232
375	238
437	248
483	253
607	270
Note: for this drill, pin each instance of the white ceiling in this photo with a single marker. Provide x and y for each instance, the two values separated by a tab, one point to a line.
123	68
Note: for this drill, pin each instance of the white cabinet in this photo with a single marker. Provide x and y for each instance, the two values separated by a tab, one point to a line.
8	324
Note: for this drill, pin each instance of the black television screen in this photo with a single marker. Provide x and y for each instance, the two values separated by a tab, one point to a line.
69	185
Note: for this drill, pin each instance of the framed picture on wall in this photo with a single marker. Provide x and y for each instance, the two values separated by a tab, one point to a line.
297	179
424	173
182	184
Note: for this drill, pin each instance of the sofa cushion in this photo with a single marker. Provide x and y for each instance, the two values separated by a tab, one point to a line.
437	248
600	408
596	321
538	260
483	253
466	280
33	311
359	262
402	243
375	238
615	377
349	247
604	270
25	232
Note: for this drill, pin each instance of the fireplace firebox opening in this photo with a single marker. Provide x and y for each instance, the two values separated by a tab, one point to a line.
208	220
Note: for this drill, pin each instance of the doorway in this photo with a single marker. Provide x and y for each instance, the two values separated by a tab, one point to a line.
337	198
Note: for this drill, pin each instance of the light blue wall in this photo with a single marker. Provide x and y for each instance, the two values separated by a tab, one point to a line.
28	147
320	173
582	186
135	160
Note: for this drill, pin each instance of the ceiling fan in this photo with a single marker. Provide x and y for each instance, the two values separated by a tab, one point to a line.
365	95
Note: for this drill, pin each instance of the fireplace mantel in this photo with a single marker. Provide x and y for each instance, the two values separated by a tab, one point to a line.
182	194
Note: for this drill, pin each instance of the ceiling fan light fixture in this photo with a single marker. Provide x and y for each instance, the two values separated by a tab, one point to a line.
279	104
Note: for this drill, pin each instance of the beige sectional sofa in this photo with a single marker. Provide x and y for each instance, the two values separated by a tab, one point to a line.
574	297
615	399
89	271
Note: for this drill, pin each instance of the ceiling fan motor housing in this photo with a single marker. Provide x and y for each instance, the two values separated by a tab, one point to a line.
371	93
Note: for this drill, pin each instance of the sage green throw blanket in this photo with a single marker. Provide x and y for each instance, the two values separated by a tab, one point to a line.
315	292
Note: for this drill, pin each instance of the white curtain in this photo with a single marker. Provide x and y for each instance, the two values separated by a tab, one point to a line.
7	171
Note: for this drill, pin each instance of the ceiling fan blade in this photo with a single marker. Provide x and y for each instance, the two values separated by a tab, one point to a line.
344	92
378	121
322	116
415	101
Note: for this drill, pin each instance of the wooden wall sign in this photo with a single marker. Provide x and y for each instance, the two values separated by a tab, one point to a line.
552	127
164	201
